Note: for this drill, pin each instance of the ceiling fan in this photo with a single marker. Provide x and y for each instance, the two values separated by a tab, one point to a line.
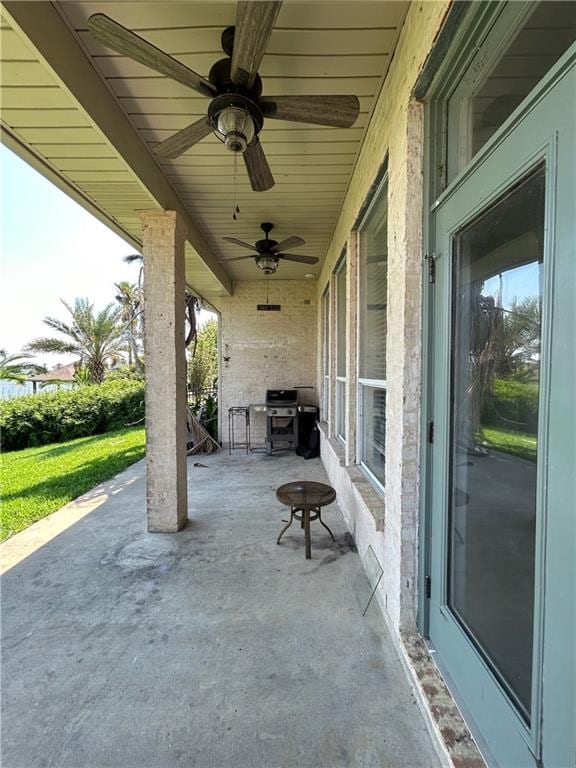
237	109
268	252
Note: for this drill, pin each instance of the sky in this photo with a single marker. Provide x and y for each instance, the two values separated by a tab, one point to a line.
50	248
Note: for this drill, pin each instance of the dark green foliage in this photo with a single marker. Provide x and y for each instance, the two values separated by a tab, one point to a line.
206	411
513	406
126	372
203	367
65	415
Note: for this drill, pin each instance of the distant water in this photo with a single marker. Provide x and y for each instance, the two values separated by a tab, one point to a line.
9	390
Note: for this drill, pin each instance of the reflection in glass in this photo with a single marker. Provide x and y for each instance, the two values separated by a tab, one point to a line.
373	290
496	310
502	74
547	34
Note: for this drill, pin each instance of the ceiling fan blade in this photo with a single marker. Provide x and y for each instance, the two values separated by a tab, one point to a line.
339	111
291	242
122	40
178	144
297	257
236	258
257	166
242	243
254	24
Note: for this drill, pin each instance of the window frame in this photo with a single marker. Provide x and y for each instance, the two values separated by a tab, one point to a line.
479	22
363	383
340	382
492	25
325	360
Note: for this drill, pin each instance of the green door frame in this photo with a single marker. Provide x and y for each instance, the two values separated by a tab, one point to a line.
559	705
472	27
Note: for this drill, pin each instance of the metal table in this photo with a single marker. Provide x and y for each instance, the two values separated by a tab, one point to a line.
257	409
305	499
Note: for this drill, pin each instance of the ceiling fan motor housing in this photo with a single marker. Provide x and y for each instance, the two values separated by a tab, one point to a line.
265	246
268	263
234	113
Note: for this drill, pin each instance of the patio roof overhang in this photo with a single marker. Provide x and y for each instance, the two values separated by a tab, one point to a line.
88	118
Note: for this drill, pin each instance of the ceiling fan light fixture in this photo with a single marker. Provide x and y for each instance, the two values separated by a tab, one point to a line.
268	264
235	128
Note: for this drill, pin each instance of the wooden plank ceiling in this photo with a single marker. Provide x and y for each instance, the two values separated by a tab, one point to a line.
316	48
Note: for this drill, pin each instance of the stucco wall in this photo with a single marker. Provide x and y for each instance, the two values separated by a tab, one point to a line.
396	133
266	350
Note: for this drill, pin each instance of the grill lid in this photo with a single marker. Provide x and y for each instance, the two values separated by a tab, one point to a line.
281	397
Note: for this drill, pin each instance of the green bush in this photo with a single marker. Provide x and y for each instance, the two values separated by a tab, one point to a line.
513	405
126	372
58	416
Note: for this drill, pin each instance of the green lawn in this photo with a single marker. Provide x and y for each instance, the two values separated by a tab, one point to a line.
516	443
37	481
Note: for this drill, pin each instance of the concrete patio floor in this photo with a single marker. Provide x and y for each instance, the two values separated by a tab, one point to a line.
212	647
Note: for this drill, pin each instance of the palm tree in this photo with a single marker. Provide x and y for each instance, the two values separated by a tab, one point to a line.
131	259
96	337
18	368
131	299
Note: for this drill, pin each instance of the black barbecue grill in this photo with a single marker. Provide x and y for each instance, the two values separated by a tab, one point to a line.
282	417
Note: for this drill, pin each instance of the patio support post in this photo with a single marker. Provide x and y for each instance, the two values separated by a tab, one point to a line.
163	237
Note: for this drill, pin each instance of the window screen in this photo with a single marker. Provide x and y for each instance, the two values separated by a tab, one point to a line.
341	320
373	279
373	289
341	348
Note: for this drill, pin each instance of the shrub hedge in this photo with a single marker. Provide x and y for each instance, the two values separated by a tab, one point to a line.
513	406
58	416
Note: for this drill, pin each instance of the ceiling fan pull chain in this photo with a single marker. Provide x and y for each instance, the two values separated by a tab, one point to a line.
236	207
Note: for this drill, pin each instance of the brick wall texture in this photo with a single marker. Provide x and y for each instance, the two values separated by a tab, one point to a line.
164	235
395	136
266	350
261	350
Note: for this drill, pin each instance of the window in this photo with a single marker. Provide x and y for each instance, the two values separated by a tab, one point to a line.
341	349
325	355
372	306
523	41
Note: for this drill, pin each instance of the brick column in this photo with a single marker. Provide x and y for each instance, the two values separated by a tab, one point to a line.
164	236
351	347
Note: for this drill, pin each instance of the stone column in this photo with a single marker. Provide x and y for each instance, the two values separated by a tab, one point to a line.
403	372
351	347
164	237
